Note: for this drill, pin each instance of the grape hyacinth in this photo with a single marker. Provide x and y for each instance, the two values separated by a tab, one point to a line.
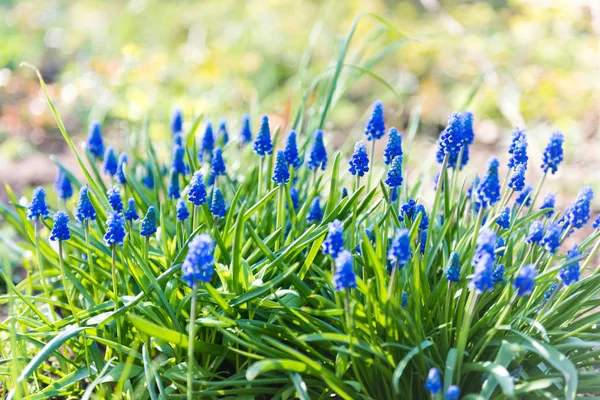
486	244
60	230
334	242
149	222
208	141
551	239
173	189
404	300
524	197
182	211
246	131
148	179
94	143
434	382
120	177
217	167
453	393
500	247
217	206
423	242
198	265
394	175
318	154
525	281
295	197
553	154
487	192
518	150
130	213
359	163
393	147
375	128
110	162
315	213
38	209
536	232
578	214
498	274
451	141
424	224
517	180
549	292
504	219
62	186
85	209
482	278
596	224
399	252
291	151
570	273
344	277
453	269
114	198
223	133
178	163
548	204
176	124
281	174
408	210
262	144
197	192
115	229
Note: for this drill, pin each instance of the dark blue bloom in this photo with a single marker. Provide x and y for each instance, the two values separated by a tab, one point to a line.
217	207
518	150
548	204
262	144
291	150
182	211
578	214
393	147
424	224
315	213
344	193
223	133
454	138
394	175
173	189
38	207
85	209
517	180
110	162
407	211
114	198
148	179
197	192
217	167
504	218
473	187
498	274
130	213
295	198
198	265
60	230
525	196
482	278
176	124
488	189
570	273
468	133
453	393
344	277
551	239
334	242
525	281
596	223
500	247
178	164
399	252
549	292
434	381
423	242
94	144
394	196
359	163
486	244
208	140
453	269
375	128
536	232
281	174
553	154
318	154
115	229
404	301
246	132
62	186
120	178
149	222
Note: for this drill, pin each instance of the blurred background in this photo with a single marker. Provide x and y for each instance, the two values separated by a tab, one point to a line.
532	64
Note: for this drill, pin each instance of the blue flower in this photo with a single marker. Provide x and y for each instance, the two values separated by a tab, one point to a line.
149	222
517	180
246	132
408	210
375	128
424	224
110	162
173	189
525	196
453	269
482	278
148	179
498	274
223	133
62	186
198	265
262	144
120	171
344	277
536	232
578	214
217	167
551	239
115	229
344	193
500	247
182	211
176	124
453	393
315	213
114	198
393	147
359	163
488	189
281	174
468	134
94	144
596	223
178	163
553	154
504	218
130	213
294	197
197	192
85	209
318	154
60	230
486	245
208	141
525	281
518	150
451	140
399	252
548	204
394	175
291	150
334	242
473	187
434	381
404	301
38	207
217	206
394	197
570	273
549	292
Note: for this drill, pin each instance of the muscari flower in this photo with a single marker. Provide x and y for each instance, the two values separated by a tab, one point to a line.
217	206
315	213
148	179
453	269
281	174
120	171
482	278
424	224
62	186
504	219
344	193
578	214
499	248
246	132
223	133
197	192
524	197
548	204
570	273
553	154
334	242
217	167
208	141
393	147
453	393
38	207
318	154
344	277
176	124
423	242
596	223
473	187
85	209
110	162
536	232
262	144
60	230
549	292
178	163
173	189
488	189
149	222
394	175
198	265
359	163
407	210
525	281
498	274
182	211
291	151
551	239
434	381
486	244
114	198
94	143
294	197
468	133
115	229
375	128
130	213
517	180
518	149
394	195
404	300
451	140
399	252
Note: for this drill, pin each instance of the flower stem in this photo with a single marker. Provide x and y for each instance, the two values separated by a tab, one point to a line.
372	165
280	216
537	191
190	363
86	229
38	253
463	334
114	285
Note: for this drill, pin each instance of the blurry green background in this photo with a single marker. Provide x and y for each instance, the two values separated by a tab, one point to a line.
119	62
